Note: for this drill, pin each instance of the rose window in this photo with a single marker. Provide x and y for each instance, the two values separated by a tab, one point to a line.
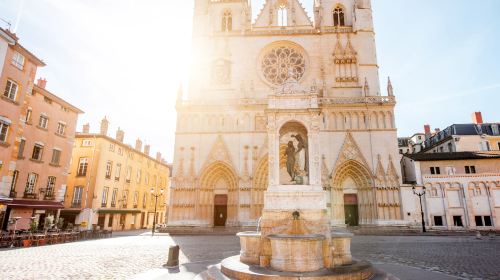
281	62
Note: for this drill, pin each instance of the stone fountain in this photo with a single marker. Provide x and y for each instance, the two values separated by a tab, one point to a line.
296	242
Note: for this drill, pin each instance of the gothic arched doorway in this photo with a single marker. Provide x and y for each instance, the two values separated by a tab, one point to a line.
352	195
218	195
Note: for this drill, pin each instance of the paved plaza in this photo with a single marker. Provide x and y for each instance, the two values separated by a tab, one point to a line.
137	255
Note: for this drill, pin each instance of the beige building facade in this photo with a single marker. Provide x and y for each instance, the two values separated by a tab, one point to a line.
462	189
112	184
284	100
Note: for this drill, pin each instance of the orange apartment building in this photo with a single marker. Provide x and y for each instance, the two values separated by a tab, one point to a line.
37	133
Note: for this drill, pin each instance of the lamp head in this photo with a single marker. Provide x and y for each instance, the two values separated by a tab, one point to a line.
152	190
161	191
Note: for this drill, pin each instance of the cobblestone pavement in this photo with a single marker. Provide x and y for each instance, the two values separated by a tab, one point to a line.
126	257
466	257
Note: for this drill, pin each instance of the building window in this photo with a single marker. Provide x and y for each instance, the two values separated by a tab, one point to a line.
136	199
113	197
61	128
77	197
86	143
29	113
338	17
104	200
43	122
51	184
457	221
109	169
111	147
31	183
146	179
227	21
125	199
118	171
438	221
282	15
487	221
56	157
120	152
470	169
13	184
18	60
128	175
4	131
483	221
144	200
37	152
83	164
10	90
138	178
435	170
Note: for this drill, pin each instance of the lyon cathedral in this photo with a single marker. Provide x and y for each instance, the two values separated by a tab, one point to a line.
284	98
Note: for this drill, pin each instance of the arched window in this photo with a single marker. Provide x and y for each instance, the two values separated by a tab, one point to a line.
227	21
338	16
282	16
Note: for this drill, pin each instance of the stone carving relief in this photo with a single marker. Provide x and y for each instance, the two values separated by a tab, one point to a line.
221	72
294	154
350	151
260	123
219	152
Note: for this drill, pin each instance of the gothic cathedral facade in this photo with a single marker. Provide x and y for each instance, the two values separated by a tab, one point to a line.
281	100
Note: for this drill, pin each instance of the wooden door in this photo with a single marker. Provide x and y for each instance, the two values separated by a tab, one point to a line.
220	210
351	209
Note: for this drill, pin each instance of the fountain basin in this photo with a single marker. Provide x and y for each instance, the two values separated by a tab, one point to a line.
297	253
341	242
250	247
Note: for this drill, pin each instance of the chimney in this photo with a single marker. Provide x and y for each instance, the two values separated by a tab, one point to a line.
146	149
104	126
138	144
427	130
158	156
120	134
86	128
41	82
477	118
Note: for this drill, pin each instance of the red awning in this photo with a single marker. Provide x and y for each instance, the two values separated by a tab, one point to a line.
38	204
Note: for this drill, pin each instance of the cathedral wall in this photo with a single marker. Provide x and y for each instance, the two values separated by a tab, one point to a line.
243	54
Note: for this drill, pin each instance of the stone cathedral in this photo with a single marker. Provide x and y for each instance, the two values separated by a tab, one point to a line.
281	99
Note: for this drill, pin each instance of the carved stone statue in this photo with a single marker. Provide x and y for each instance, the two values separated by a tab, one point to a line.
290	160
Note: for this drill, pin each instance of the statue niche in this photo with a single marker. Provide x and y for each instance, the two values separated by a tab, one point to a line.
294	154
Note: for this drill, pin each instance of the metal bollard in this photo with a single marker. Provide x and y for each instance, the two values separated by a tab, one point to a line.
173	256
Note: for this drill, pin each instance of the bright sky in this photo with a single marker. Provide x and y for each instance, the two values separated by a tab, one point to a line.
126	58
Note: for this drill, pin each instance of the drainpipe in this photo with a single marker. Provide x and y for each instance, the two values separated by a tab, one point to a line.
462	189
489	206
88	186
445	209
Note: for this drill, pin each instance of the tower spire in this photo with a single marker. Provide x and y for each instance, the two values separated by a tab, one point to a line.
390	90
366	88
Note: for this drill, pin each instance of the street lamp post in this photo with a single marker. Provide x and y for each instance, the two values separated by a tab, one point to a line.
156	195
420	194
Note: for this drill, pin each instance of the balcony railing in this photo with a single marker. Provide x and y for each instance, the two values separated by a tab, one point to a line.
30	195
49	194
104	204
76	204
113	204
